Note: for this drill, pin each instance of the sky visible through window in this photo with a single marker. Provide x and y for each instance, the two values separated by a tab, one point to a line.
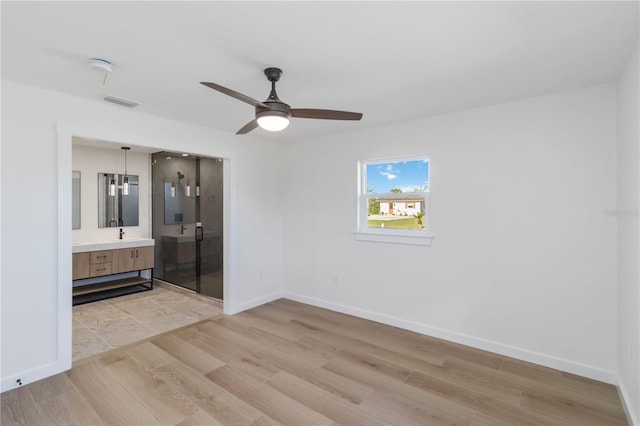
409	176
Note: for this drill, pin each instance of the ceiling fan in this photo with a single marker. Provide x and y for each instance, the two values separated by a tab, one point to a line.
273	114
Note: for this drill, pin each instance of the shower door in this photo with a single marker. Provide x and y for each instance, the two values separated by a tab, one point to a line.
187	221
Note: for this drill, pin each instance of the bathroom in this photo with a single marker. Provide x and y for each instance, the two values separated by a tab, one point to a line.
169	223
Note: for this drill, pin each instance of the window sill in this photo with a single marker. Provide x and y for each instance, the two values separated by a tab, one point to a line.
394	238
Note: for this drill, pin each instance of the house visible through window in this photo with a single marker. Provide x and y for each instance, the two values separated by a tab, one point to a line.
393	200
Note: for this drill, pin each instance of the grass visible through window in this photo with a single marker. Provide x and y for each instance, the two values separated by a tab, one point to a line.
393	222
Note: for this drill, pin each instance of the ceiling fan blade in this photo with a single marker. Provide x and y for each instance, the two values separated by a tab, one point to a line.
326	114
234	94
248	127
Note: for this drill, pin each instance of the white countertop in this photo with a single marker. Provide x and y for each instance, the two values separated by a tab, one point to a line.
112	244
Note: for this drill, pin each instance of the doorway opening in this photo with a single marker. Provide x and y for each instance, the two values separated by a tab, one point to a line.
187	221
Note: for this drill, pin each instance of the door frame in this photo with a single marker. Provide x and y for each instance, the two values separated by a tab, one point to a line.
65	134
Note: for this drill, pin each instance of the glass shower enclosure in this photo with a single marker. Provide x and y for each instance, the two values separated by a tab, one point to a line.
187	221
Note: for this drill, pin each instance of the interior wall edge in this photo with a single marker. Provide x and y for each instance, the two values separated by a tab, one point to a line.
627	406
254	303
30	376
625	400
464	339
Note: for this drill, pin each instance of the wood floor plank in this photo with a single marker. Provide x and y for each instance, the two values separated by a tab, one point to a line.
265	421
562	408
476	401
288	330
187	353
340	386
559	380
211	398
466	371
405	397
246	362
200	418
391	410
264	338
269	401
19	408
111	401
150	355
57	385
166	404
349	349
217	330
70	407
321	401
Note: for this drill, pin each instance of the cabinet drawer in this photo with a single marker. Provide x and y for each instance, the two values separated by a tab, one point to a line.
81	265
99	269
102	256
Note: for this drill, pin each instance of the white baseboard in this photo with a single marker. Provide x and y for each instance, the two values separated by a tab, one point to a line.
487	345
48	370
632	416
254	303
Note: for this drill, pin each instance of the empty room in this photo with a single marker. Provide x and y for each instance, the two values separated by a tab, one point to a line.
312	213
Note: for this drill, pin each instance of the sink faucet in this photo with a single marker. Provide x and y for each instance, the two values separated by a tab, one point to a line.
121	233
182	229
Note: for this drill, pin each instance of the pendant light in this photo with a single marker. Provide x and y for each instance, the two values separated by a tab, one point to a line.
112	187
125	180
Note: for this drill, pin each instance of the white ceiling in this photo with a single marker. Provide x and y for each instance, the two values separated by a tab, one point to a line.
391	61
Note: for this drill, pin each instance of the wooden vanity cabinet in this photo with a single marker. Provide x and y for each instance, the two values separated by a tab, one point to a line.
103	263
132	259
81	265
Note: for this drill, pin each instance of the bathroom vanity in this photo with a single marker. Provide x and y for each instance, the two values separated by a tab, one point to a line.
100	268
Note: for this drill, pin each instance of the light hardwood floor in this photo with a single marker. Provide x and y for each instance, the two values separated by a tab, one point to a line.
290	363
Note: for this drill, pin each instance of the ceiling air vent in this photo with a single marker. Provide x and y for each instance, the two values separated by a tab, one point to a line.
119	101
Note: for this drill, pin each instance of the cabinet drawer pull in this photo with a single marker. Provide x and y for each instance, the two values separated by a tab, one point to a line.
102	269
132	254
136	253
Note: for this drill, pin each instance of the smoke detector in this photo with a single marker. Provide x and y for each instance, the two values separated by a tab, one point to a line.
101	65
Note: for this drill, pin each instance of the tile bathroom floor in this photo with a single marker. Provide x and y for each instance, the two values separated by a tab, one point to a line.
111	323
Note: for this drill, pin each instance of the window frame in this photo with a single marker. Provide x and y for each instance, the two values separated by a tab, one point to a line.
421	237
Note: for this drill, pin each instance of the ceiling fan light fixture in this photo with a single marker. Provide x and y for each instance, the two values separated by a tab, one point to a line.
273	121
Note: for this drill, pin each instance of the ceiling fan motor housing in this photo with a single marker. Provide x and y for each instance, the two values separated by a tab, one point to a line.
276	108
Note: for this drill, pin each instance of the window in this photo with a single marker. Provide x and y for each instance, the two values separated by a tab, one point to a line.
393	200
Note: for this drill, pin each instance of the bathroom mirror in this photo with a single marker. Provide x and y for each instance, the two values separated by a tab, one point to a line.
179	201
75	200
115	208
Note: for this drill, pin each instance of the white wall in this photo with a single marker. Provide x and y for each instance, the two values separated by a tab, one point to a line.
35	272
524	257
628	218
93	160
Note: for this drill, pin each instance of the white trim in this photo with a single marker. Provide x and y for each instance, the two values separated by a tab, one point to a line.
229	241
475	342
418	240
255	303
30	376
64	308
632	417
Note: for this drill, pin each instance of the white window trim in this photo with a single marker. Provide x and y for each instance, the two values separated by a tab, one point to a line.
394	236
